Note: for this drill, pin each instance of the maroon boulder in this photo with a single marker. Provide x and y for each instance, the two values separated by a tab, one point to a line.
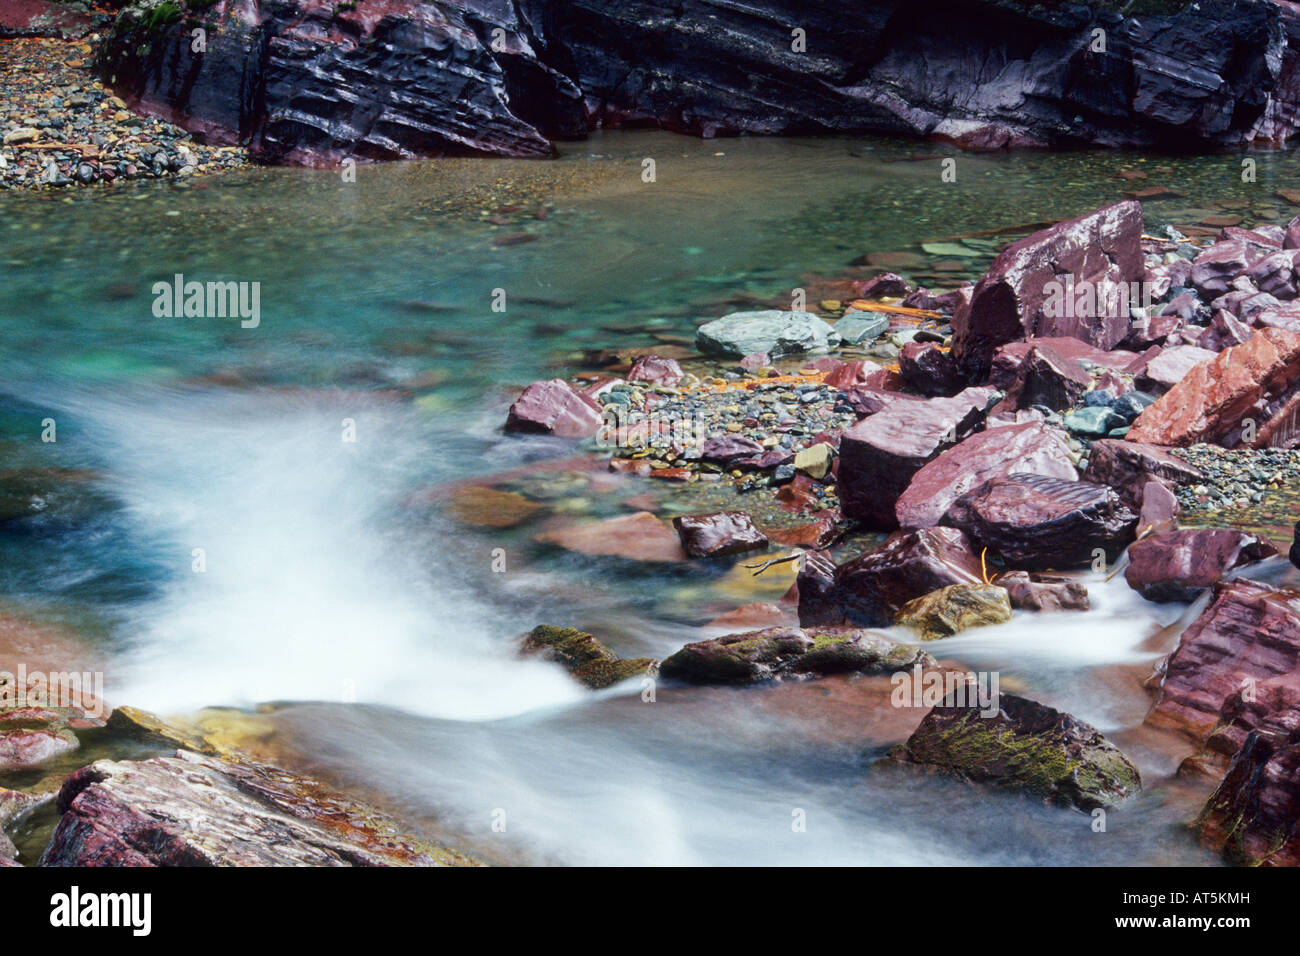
727	448
1178	565
1248	634
717	535
880	455
1035	521
1021	294
554	408
1045	378
1126	466
928	369
885	284
1031	448
872	587
1169	366
1216	266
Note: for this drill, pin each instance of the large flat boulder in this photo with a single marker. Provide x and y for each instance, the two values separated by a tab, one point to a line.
771	332
201	810
556	408
1034	521
636	537
1032	448
1025	746
1214	400
1030	287
880	455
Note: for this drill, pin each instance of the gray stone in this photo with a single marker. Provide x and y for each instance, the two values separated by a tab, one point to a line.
771	331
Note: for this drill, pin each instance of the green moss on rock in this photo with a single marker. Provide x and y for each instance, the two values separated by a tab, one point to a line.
955	608
583	656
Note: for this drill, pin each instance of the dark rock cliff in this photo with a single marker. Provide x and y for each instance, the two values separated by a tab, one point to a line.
310	81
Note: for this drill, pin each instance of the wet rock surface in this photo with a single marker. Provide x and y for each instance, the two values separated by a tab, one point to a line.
586	658
1178	565
1026	746
1042	592
717	535
955	608
1035	521
200	810
781	653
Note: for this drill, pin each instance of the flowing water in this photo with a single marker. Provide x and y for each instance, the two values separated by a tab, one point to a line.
332	585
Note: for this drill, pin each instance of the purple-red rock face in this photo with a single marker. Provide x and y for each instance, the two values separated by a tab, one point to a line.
1032	448
781	653
307	80
193	810
636	537
872	588
726	449
885	284
30	736
1216	266
1040	285
1008	358
1232	399
1178	565
880	455
1167	367
1253	817
717	535
1249	634
1045	378
928	369
554	408
815	586
1038	522
1126	466
1158	507
1043	592
655	370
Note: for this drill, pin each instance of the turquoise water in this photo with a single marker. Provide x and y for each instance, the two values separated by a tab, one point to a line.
327	581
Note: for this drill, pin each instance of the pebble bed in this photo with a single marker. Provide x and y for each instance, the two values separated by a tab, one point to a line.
60	126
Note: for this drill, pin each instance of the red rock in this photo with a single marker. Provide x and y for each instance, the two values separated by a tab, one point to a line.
1275	274
870	589
638	537
554	408
759	614
1216	266
1007	359
815	536
655	370
727	448
848	375
1035	521
1170	366
928	369
1178	565
1041	592
198	810
1102	249
1212	400
716	535
816	591
1127	465
1159	507
1249	633
1031	448
885	284
1045	378
880	455
1291	240
31	736
1253	816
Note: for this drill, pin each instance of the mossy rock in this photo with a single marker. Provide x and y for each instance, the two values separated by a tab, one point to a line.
1026	746
583	656
955	608
776	653
142	725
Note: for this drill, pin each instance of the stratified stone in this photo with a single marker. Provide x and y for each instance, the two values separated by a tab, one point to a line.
586	658
1029	289
1178	565
1248	634
1216	266
1213	401
1170	366
772	332
871	588
1126	466
554	408
200	810
955	608
1031	448
880	455
1038	522
1045	378
1026	746
32	736
779	653
655	370
717	535
1043	592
